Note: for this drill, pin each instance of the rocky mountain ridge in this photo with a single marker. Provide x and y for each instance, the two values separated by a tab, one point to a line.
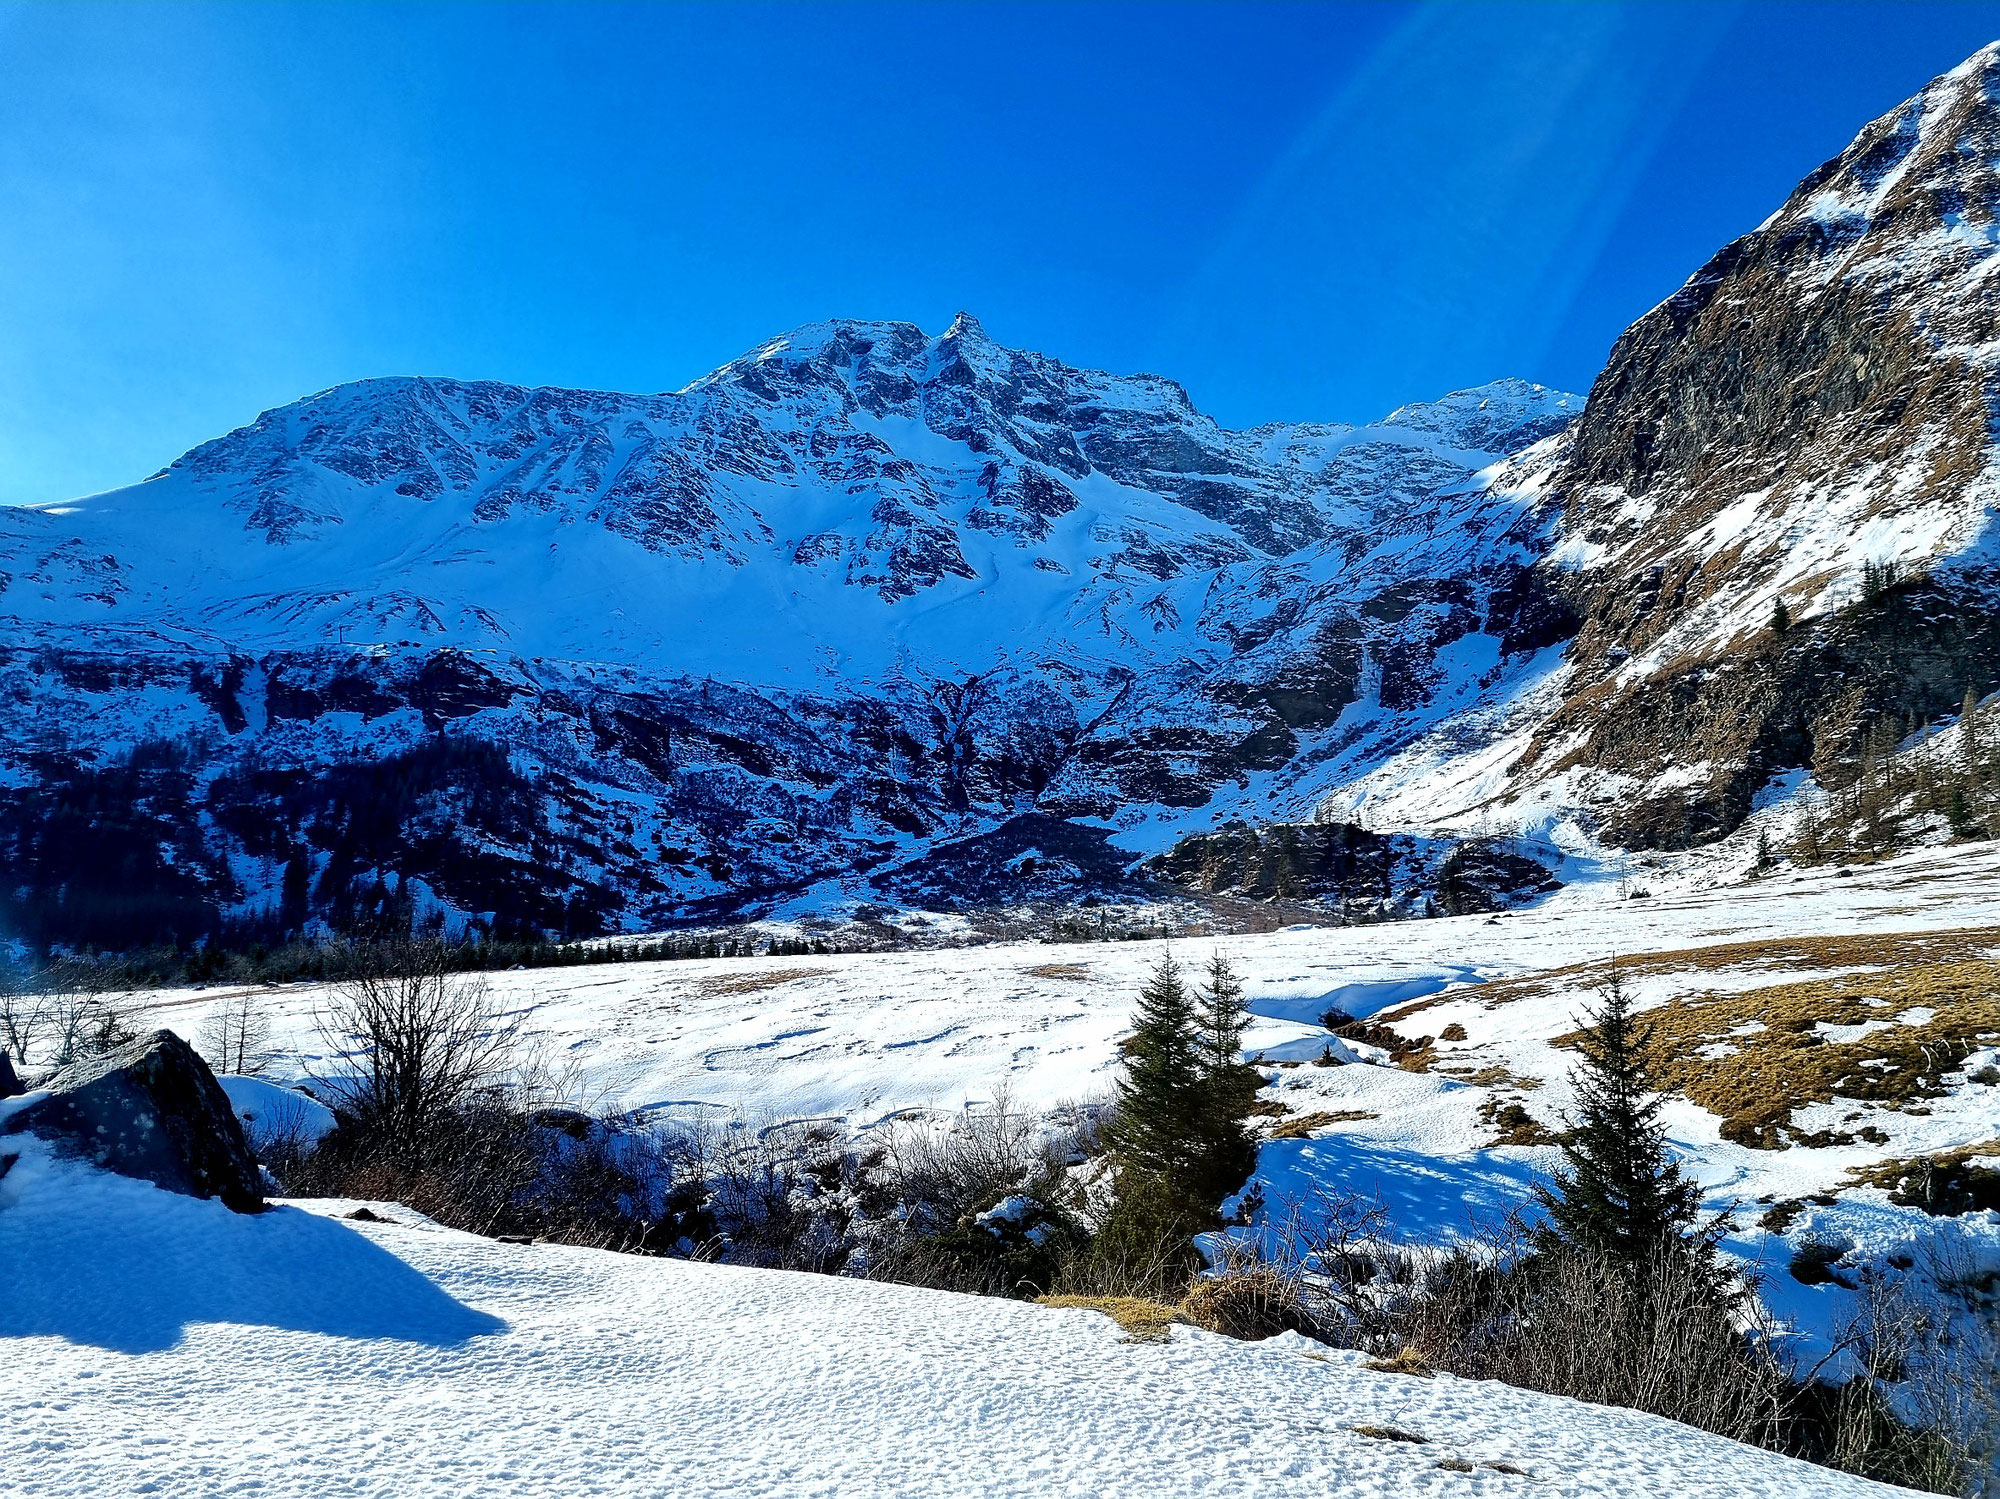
569	660
1808	422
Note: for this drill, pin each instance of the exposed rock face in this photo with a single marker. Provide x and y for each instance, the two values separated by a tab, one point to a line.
1359	871
150	1109
1819	397
866	613
1809	419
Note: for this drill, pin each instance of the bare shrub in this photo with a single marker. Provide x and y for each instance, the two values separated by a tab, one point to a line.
948	1168
1555	1317
58	1012
424	1041
1921	1404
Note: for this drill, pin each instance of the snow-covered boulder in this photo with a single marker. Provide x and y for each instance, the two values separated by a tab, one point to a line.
150	1109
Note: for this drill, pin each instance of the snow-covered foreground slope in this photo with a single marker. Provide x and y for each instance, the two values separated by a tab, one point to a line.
151	1344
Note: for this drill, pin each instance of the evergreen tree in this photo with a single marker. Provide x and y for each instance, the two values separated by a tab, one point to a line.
1781	617
295	891
1620	1193
1154	1133
1284	863
1227	1151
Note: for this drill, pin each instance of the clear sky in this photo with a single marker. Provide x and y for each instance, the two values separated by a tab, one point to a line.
1299	211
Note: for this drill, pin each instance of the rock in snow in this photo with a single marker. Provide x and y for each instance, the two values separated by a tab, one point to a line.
149	1109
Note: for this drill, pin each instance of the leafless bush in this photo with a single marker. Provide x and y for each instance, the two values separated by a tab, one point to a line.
1920	1403
425	1045
948	1168
1331	1250
58	1012
282	1139
1661	1337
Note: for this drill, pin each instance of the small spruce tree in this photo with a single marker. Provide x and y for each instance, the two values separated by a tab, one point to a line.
1153	1132
1971	740
1620	1193
1226	1151
1781	617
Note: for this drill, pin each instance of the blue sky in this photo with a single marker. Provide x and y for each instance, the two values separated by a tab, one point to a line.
1298	211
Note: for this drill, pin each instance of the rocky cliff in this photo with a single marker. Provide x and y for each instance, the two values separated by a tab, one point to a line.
1776	513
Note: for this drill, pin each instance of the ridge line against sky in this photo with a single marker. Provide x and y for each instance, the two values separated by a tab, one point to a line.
1298	212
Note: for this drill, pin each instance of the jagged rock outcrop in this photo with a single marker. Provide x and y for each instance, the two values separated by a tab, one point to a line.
149	1109
1355	870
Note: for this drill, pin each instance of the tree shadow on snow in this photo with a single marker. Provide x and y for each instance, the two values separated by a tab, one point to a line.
1426	1195
127	1268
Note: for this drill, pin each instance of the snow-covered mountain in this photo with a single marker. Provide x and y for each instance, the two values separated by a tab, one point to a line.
857	592
871	614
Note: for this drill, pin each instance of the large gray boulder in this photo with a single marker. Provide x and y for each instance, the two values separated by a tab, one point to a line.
149	1109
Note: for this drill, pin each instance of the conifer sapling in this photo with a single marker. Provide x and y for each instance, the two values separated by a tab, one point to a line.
1620	1192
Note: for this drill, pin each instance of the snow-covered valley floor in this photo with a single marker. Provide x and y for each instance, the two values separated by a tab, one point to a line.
153	1344
160	1345
857	1039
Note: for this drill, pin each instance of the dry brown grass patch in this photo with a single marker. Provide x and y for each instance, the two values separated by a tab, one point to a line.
1075	972
750	983
1871	950
1409	1361
1788	1064
1388	1434
1249	1304
1144	1321
1303	1126
1944	1184
1516	1125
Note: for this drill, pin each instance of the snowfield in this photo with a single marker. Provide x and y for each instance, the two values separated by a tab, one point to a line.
155	1344
858	1039
159	1345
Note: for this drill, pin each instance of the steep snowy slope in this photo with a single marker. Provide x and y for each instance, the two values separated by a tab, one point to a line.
158	1344
855	593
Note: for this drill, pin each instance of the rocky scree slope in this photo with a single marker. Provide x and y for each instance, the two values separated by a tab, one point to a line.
865	613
